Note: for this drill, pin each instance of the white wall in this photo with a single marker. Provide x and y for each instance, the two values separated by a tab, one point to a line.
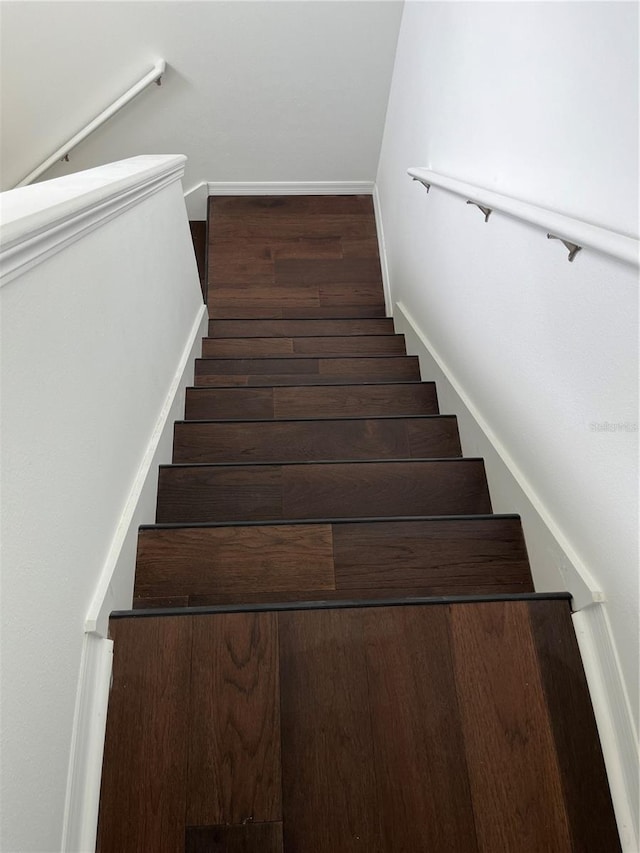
254	91
91	340
537	101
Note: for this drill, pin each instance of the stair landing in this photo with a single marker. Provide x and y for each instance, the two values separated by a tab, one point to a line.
391	728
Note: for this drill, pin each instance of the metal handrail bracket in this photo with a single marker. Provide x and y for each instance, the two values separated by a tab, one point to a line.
576	234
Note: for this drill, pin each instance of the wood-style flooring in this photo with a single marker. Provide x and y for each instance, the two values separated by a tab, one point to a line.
335	644
400	729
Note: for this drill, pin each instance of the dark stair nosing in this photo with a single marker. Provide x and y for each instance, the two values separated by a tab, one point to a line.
259	319
289	337
300	356
346	603
324	385
181	525
329	419
322	462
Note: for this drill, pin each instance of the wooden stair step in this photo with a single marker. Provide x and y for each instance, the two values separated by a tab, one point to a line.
279	312
429	556
303	370
464	727
422	437
312	401
202	493
299	328
326	346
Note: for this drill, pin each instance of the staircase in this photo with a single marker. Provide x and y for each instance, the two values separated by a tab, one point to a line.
335	644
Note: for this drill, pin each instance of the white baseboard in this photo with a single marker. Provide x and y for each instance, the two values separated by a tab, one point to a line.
115	586
555	566
196	201
291	187
615	722
114	592
87	746
382	249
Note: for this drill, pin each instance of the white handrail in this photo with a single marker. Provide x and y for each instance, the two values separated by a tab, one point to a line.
59	154
575	231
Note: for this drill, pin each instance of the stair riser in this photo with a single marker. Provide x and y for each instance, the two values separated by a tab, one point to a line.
298	328
311	402
261	312
304	371
435	557
357	490
302	441
327	347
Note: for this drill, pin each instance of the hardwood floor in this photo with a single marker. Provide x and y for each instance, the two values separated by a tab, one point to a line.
335	644
406	728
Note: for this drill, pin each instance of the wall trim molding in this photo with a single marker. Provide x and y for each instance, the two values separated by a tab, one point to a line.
613	715
291	187
42	219
87	746
121	557
382	250
195	199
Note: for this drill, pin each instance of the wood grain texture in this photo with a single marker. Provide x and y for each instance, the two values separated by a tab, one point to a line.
369	489
196	561
207	565
327	346
143	795
312	401
284	255
355	400
204	493
248	838
461	555
305	370
513	766
583	774
228	403
299	328
234	738
418	748
210	493
259	311
330	796
433	436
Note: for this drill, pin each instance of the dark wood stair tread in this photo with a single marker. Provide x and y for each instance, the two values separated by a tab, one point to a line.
201	493
418	437
251	328
312	401
442	726
325	345
304	370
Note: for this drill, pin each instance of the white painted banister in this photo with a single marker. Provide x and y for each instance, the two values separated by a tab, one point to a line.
60	153
576	231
